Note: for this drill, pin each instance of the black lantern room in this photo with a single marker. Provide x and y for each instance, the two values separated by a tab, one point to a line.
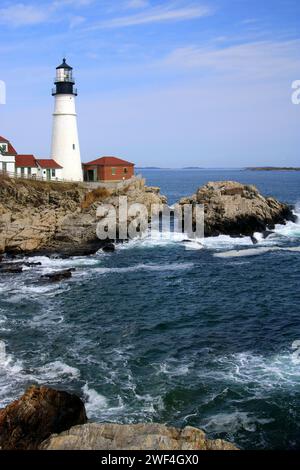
64	81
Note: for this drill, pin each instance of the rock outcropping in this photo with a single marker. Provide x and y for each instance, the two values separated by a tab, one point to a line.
48	419
26	422
41	217
236	209
149	436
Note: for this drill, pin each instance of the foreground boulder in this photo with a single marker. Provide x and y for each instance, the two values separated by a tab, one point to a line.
236	209
133	437
41	411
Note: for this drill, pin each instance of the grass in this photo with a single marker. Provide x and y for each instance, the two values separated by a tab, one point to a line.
39	185
95	195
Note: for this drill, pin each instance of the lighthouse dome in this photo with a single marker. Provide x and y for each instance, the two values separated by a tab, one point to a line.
64	65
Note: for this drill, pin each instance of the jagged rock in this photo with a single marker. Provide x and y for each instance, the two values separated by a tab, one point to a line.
149	436
58	275
235	209
41	411
10	268
109	247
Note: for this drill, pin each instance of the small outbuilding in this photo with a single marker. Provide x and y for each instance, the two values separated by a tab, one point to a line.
49	169
109	169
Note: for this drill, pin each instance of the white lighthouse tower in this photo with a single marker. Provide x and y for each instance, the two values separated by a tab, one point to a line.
65	148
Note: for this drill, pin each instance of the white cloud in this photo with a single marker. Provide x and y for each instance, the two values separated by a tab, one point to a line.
255	60
162	13
76	21
20	14
75	3
136	3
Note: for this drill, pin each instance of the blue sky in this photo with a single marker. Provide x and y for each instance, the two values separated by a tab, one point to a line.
168	83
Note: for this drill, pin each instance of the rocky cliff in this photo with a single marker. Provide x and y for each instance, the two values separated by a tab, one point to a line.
237	209
59	217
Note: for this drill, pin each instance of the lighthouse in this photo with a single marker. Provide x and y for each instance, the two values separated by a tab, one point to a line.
65	148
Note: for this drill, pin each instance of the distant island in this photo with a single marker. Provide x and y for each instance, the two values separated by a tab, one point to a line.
149	168
192	168
272	168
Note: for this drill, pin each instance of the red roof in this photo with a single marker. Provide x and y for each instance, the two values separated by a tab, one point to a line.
109	161
25	160
47	163
11	150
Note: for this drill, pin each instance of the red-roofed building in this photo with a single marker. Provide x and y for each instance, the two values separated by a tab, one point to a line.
48	164
6	146
49	169
26	166
108	169
25	161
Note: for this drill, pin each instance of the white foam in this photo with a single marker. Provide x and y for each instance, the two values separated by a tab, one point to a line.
173	369
257	372
97	405
291	229
94	402
55	371
145	267
232	422
254	251
62	262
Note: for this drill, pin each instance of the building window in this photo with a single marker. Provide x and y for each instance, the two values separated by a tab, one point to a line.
125	170
3	148
73	146
4	167
53	173
29	171
113	171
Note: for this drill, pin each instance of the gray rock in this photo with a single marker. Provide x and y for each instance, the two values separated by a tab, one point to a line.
232	208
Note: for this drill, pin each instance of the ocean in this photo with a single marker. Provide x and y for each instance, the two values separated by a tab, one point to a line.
158	332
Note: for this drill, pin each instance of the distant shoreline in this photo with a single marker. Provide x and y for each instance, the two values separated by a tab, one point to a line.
196	168
272	168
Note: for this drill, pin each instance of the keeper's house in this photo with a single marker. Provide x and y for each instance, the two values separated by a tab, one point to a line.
27	166
109	169
7	156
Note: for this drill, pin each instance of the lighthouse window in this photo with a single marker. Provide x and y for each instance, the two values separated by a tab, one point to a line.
73	146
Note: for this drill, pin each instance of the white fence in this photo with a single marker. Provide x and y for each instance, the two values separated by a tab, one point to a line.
34	177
